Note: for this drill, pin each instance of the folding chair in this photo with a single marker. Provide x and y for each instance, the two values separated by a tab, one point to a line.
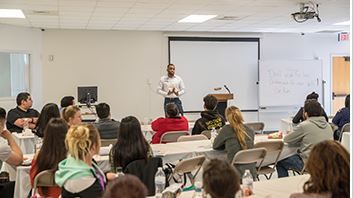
345	128
248	157
172	136
206	133
107	142
258	127
186	138
274	150
44	179
187	166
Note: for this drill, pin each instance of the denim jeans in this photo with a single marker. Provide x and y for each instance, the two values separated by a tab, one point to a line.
176	101
293	162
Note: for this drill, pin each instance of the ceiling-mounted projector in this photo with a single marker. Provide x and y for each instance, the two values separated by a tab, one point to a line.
307	11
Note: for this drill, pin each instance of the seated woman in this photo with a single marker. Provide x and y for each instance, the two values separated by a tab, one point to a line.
220	179
172	122
49	111
328	166
342	117
131	145
52	152
72	115
234	137
299	117
78	175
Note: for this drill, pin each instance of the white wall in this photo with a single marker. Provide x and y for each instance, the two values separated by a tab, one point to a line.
25	40
125	65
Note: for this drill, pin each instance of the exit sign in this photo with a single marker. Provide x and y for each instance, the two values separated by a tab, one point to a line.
343	36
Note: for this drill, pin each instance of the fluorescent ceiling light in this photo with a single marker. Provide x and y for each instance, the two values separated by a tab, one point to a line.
11	13
343	23
196	18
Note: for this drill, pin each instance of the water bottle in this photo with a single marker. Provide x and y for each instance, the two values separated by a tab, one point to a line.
198	190
213	134
119	171
159	180
247	183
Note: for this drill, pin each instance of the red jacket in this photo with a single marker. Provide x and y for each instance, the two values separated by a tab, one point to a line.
162	125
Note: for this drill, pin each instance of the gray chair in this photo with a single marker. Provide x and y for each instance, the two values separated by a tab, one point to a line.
172	136
345	129
258	127
186	138
44	179
274	150
187	166
107	142
248	157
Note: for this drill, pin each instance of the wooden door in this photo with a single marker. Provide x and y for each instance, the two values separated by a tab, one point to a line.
340	82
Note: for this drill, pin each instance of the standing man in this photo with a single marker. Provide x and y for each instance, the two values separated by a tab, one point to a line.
23	114
171	87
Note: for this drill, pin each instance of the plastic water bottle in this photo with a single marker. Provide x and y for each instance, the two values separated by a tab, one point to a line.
247	183
198	190
213	134
119	171
159	180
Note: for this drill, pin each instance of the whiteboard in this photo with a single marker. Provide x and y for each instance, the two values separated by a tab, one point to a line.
205	65
288	82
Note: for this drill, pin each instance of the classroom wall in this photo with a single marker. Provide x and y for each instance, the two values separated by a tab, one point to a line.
5	75
25	40
127	65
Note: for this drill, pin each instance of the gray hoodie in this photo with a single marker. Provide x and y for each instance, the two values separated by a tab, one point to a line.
308	133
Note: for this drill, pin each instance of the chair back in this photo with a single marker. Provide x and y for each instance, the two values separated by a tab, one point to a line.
206	133
249	156
145	171
107	142
346	128
186	138
273	151
172	136
258	127
346	136
189	165
44	179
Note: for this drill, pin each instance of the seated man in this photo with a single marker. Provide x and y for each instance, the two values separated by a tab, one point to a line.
108	128
313	130
173	122
22	115
10	152
67	101
220	179
210	118
342	117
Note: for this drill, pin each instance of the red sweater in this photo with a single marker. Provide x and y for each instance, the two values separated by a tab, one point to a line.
53	192
162	125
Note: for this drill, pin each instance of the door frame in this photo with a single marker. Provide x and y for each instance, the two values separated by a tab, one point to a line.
331	79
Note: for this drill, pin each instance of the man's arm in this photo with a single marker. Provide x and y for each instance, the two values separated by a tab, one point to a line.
160	89
181	88
295	136
16	156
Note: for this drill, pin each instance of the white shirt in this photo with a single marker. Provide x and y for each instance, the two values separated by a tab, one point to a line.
167	84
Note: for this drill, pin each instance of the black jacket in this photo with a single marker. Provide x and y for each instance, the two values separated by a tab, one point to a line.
208	120
299	116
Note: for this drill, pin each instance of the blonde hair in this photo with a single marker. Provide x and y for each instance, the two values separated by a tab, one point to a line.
236	120
80	139
69	112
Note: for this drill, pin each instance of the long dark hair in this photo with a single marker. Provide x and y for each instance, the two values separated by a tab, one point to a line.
49	111
53	149
131	144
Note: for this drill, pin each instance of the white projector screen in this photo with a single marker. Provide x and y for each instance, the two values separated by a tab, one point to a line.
210	63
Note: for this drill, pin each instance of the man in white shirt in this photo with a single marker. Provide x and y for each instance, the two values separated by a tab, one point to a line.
171	87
